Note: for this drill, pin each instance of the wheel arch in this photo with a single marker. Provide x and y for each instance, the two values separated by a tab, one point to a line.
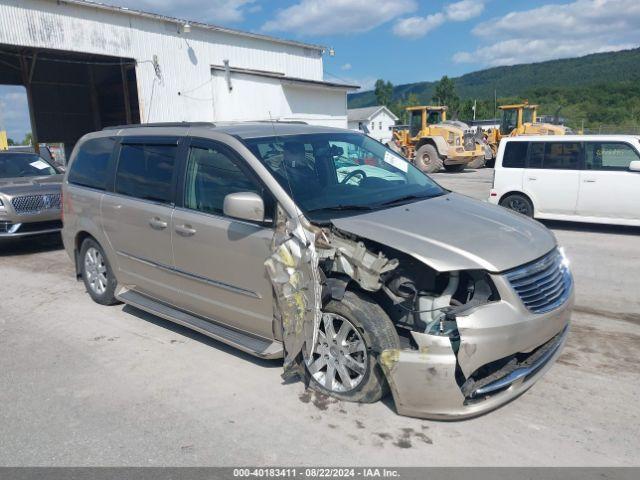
519	192
437	142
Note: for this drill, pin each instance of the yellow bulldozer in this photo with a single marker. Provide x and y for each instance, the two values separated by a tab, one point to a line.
520	119
432	142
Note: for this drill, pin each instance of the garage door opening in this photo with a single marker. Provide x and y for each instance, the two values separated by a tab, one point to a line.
70	94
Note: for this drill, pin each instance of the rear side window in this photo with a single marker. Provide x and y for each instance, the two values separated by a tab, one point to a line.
91	165
146	171
609	156
555	155
515	155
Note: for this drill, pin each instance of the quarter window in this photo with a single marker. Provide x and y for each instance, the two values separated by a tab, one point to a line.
609	156
515	155
90	167
211	175
146	171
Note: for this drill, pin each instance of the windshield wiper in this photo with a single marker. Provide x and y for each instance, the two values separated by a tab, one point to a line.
342	207
406	198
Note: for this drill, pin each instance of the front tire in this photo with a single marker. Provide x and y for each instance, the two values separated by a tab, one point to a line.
344	364
518	203
97	274
427	159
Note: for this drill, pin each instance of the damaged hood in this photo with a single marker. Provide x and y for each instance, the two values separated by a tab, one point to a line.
454	232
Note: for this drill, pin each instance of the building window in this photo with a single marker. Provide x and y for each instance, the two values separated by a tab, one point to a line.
373	125
380	125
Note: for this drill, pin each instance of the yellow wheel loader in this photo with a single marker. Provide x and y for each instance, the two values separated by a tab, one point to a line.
432	142
520	119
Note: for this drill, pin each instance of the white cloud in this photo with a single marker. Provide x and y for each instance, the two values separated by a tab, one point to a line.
556	31
346	66
330	17
464	10
416	27
211	11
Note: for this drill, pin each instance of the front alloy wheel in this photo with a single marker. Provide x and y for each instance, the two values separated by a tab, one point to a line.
339	361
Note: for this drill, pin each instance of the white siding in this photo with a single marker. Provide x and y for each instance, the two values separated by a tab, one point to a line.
380	130
187	89
258	98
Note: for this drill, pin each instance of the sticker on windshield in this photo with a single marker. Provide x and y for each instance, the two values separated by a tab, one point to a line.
394	161
39	164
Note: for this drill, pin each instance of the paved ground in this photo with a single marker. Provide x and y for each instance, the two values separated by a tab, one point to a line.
82	384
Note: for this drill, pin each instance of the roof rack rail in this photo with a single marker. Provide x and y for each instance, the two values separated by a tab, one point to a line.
295	122
161	124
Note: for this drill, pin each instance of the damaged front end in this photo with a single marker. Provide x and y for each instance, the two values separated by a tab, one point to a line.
470	340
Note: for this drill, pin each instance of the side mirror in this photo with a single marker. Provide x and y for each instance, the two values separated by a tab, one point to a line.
634	166
244	206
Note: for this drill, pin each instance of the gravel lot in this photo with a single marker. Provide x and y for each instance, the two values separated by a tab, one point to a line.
82	384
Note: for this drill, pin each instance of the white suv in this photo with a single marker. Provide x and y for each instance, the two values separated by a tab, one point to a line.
587	178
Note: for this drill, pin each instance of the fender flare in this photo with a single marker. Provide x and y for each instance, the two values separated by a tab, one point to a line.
437	141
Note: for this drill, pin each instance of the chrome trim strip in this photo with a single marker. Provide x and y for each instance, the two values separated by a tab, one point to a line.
191	276
521	372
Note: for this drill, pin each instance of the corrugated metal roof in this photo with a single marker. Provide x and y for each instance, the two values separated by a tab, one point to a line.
206	26
281	76
365	113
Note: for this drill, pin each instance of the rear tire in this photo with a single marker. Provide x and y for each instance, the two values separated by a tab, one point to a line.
458	167
427	159
518	203
478	162
97	274
370	325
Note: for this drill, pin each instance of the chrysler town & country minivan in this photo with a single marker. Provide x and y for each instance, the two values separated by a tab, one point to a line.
323	247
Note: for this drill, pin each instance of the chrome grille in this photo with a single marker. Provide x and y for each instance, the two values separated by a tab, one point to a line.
544	284
33	204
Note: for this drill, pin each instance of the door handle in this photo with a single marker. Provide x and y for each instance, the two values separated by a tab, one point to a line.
588	180
185	230
533	178
157	224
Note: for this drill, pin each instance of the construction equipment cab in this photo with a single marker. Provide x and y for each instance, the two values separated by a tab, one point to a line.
520	119
431	141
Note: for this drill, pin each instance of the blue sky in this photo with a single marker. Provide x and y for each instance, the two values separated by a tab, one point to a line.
406	40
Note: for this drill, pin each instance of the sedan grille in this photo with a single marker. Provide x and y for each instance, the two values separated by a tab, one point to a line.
542	285
33	204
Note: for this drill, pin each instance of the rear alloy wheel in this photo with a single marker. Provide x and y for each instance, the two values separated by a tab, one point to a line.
427	159
458	167
96	273
518	203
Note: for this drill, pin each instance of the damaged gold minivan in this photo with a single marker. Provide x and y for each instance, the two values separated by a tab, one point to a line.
321	246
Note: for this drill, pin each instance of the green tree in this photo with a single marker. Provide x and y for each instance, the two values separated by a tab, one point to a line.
10	141
383	92
28	139
445	94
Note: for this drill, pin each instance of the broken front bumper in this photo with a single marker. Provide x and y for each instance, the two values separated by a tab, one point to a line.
501	351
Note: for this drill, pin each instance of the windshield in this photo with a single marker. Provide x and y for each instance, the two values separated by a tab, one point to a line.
341	172
509	121
14	165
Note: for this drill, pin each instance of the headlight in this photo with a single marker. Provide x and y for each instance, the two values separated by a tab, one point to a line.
457	140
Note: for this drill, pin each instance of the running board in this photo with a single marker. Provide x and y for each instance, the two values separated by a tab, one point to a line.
257	346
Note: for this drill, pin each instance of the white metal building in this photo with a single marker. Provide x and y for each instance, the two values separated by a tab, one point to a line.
374	121
87	65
